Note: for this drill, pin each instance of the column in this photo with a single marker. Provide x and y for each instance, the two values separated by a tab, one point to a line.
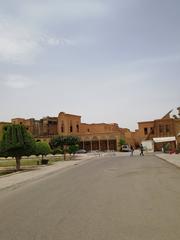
107	144
91	144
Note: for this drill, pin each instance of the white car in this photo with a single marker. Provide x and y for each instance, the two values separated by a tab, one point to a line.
125	148
81	151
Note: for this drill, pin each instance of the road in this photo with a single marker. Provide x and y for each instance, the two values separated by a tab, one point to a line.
108	198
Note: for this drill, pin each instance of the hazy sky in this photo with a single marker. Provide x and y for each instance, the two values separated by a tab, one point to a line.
107	60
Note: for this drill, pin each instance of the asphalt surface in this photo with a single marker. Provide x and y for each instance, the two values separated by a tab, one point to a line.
108	198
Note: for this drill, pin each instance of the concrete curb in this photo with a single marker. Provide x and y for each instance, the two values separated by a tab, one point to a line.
173	159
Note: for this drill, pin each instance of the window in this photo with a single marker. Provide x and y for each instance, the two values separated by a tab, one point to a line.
77	127
161	128
71	127
145	131
88	130
62	127
152	130
167	128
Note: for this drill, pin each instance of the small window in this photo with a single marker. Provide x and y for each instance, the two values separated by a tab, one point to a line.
145	131
77	127
88	130
152	130
62	126
161	128
71	129
167	128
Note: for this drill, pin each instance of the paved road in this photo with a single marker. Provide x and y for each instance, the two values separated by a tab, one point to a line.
110	198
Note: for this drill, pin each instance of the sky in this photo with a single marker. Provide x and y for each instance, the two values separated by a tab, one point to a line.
113	61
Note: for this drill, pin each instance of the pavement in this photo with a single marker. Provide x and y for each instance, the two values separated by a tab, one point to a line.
108	197
15	179
171	158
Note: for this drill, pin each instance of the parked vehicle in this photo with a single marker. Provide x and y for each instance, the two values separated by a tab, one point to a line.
81	151
125	148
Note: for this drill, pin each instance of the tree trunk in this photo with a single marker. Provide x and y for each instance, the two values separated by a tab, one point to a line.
18	163
42	158
64	155
65	151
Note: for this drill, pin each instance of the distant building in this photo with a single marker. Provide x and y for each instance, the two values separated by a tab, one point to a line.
103	136
165	128
96	136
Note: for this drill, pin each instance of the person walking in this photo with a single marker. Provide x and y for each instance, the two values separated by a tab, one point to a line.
132	150
142	150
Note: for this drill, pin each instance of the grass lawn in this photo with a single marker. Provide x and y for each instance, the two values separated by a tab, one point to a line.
8	166
28	161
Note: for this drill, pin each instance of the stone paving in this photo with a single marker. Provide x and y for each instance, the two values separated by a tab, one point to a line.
171	158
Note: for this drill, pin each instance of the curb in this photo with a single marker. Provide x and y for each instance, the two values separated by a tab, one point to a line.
167	161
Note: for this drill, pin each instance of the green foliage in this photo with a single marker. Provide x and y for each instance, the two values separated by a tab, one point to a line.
65	143
16	142
122	142
62	141
42	148
166	147
73	149
57	151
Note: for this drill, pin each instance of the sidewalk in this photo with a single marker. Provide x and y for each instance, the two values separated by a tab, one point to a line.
17	178
171	158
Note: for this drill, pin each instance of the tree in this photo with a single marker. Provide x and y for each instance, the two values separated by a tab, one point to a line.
121	142
64	142
42	148
73	149
16	142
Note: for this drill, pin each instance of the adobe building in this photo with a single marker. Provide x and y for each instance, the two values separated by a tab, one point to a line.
45	127
96	136
101	136
165	128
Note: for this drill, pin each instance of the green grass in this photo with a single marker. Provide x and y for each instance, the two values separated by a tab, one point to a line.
8	166
27	162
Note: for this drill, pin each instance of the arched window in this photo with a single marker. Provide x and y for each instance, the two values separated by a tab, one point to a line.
62	127
71	127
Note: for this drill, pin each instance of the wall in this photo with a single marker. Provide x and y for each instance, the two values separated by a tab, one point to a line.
68	124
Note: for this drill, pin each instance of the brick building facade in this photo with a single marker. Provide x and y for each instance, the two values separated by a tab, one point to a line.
96	136
167	126
100	136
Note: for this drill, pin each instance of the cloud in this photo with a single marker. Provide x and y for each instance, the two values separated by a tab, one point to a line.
156	60
21	44
65	9
54	41
24	38
17	81
18	44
